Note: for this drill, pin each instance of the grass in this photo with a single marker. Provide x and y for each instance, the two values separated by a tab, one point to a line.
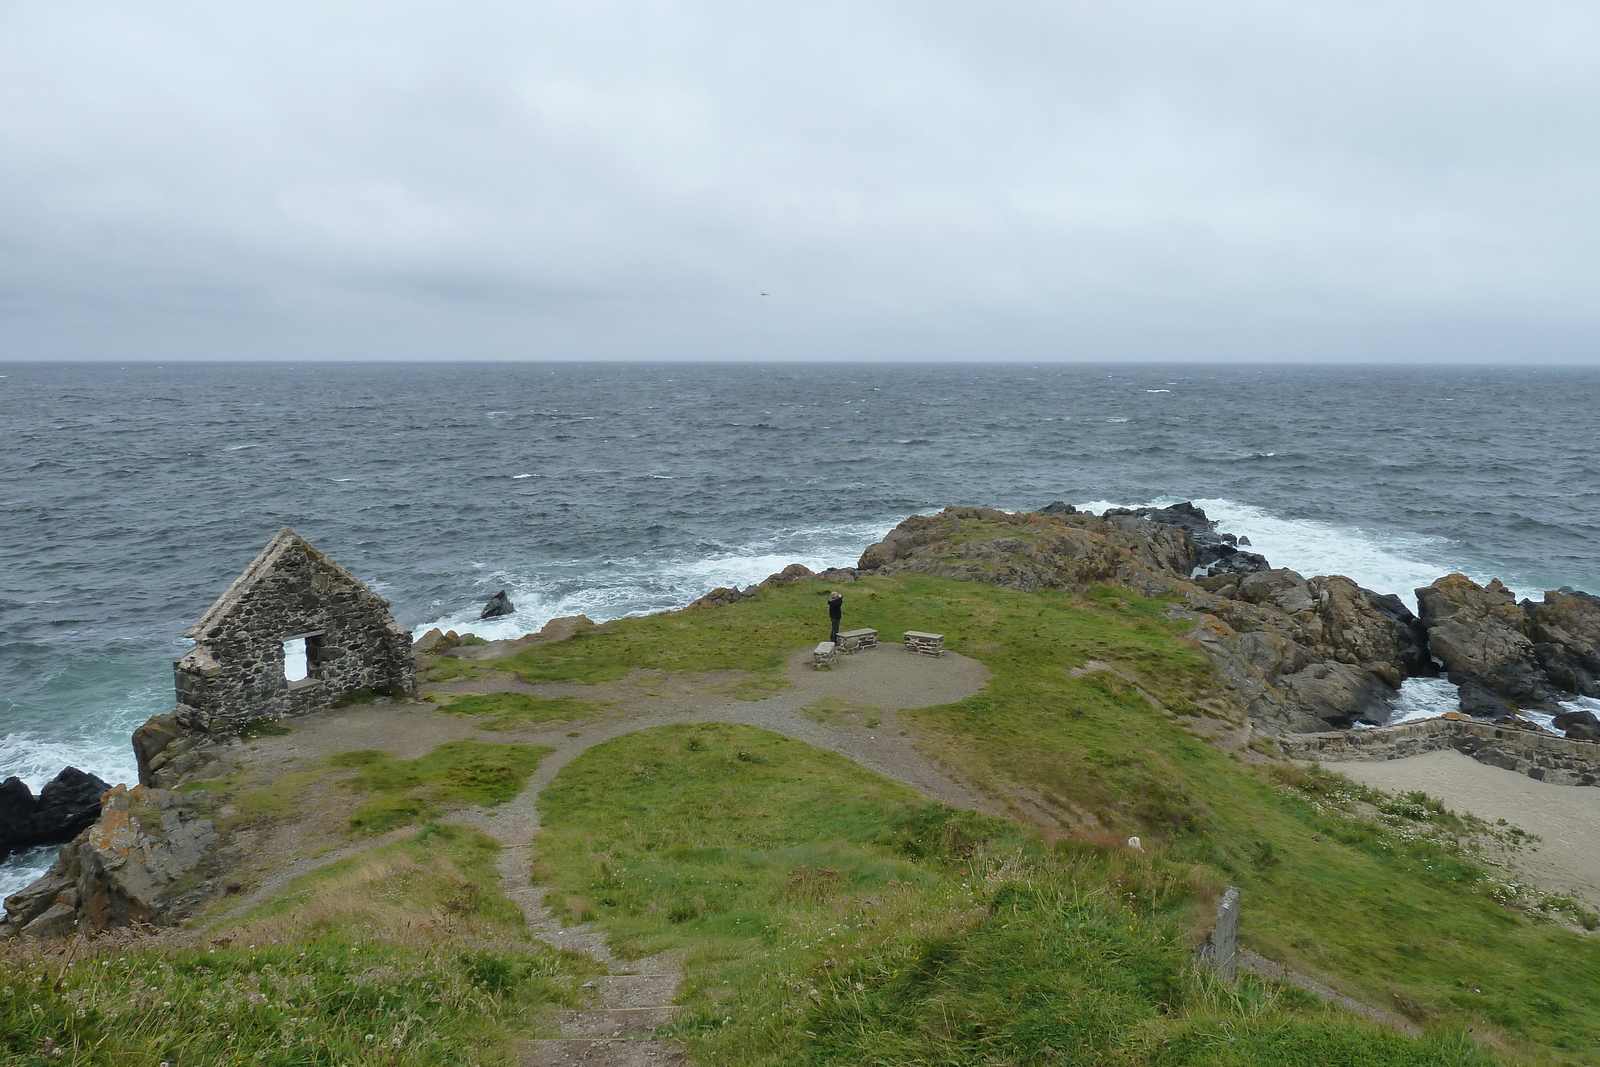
1389	915
455	774
304	1002
827	916
513	711
436	876
830	917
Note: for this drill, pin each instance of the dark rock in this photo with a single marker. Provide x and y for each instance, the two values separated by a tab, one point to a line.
1356	625
1217	552
1482	703
1411	646
1565	630
1058	507
1282	588
1238	563
498	605
1340	694
1580	725
64	808
27	904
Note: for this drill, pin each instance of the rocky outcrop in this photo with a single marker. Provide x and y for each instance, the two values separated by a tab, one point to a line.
436	641
1565	631
140	863
794	572
1032	551
498	605
1480	634
67	805
1332	617
1215	553
722	595
1506	655
1300	654
168	754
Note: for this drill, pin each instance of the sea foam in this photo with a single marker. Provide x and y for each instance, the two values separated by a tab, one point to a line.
629	586
1387	562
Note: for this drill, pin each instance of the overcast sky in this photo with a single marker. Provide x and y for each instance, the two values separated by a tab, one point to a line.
903	180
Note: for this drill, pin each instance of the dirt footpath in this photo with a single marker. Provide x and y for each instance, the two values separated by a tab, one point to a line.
1567	817
849	710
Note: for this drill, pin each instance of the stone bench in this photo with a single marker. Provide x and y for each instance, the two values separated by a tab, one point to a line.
925	644
856	640
823	655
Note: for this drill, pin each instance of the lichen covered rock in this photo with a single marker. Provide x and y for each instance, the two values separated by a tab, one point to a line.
140	863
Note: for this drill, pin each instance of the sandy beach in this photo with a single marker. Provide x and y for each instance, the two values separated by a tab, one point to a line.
1566	817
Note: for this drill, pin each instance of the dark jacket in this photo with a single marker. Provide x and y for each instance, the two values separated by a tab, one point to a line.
836	609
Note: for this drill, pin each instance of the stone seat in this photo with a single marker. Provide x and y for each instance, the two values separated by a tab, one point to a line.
823	655
925	644
856	640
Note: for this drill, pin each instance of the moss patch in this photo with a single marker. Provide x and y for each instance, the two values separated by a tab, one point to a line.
512	711
456	774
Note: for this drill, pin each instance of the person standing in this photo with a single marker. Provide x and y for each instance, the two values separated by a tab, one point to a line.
835	613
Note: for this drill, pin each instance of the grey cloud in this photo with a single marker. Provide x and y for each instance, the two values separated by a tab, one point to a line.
906	180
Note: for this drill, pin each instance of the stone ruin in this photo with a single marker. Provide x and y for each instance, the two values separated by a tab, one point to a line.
292	612
295	632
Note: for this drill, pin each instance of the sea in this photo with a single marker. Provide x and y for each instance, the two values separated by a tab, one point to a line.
131	495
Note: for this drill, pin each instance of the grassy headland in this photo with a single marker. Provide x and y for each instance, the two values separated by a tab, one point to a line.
827	915
1388	910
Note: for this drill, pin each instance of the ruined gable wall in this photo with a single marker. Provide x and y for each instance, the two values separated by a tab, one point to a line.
235	672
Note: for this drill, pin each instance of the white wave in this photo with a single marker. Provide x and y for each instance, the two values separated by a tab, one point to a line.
1384	562
37	760
1424	698
617	588
105	752
19	869
1544	719
519	477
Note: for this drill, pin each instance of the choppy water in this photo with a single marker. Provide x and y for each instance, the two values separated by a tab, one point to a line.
130	497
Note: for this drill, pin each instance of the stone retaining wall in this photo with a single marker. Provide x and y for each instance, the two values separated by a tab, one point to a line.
1540	756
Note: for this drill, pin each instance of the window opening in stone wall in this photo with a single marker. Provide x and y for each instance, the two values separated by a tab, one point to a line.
296	665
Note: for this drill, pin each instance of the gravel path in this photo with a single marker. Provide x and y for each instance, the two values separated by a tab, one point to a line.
636	996
849	710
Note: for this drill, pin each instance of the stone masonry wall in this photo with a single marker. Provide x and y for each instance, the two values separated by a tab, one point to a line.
236	670
1543	757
